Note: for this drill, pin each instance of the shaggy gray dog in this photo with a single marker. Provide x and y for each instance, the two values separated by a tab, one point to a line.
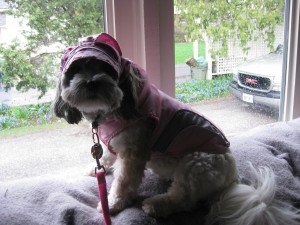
141	127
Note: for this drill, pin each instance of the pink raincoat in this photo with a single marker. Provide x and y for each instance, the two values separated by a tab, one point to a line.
178	129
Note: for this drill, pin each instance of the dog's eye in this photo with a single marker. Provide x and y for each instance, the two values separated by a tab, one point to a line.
66	80
69	75
66	83
97	67
109	70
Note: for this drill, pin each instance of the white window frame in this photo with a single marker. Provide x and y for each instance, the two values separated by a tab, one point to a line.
290	107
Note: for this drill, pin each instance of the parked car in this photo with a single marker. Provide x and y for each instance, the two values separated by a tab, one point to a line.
258	81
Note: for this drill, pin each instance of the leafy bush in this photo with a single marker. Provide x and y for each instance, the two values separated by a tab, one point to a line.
3	109
19	113
11	117
7	122
24	72
198	90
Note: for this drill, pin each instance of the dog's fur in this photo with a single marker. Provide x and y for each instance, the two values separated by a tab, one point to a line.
90	89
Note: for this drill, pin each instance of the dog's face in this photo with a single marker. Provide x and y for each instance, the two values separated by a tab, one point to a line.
89	88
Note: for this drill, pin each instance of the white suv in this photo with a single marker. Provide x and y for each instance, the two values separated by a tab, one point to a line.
258	81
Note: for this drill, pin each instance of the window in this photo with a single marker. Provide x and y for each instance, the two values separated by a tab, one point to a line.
40	152
254	90
33	48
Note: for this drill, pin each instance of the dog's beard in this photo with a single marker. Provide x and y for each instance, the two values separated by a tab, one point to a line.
96	96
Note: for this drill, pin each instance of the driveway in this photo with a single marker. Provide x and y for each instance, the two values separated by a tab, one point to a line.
233	116
67	149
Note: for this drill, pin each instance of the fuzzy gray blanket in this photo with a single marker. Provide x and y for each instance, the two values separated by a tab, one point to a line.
59	200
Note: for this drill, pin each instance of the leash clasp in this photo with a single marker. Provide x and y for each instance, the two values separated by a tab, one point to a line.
97	150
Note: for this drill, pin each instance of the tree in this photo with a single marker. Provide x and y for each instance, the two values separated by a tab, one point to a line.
23	72
49	22
220	20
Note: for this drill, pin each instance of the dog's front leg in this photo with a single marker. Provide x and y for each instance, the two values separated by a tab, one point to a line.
132	155
128	175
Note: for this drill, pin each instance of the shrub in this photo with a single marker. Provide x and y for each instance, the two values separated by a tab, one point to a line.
20	116
7	122
198	90
4	109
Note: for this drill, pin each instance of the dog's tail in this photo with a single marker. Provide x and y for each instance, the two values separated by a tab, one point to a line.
253	205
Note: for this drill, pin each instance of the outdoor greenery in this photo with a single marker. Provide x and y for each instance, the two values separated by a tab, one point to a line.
221	19
184	51
198	90
62	21
46	22
21	116
49	22
190	91
25	72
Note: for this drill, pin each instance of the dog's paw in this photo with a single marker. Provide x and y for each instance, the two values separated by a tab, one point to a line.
115	205
155	207
149	209
90	170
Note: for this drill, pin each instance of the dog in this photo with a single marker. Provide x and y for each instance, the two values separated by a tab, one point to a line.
141	127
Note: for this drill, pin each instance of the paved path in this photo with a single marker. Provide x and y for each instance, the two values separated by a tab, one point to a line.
67	149
49	151
233	116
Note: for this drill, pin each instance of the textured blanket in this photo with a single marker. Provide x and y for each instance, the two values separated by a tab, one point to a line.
62	200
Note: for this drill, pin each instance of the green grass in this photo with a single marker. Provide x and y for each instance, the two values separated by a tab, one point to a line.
17	131
183	51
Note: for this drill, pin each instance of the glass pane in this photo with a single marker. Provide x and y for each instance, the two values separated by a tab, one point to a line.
33	39
229	57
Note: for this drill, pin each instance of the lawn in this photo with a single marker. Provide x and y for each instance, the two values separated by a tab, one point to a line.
183	51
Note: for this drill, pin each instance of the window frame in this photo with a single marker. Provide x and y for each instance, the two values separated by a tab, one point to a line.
290	90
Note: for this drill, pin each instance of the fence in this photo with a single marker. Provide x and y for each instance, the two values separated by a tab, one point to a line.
224	65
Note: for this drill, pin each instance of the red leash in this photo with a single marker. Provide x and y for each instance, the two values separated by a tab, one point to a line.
103	196
100	172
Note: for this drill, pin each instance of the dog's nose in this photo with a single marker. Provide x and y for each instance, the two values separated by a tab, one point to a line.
91	84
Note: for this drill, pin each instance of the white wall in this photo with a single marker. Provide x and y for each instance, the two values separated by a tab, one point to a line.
12	30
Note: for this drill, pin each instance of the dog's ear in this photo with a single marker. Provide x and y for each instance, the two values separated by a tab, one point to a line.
64	110
129	84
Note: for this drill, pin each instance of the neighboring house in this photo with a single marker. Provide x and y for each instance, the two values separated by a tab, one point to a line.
3	18
10	27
